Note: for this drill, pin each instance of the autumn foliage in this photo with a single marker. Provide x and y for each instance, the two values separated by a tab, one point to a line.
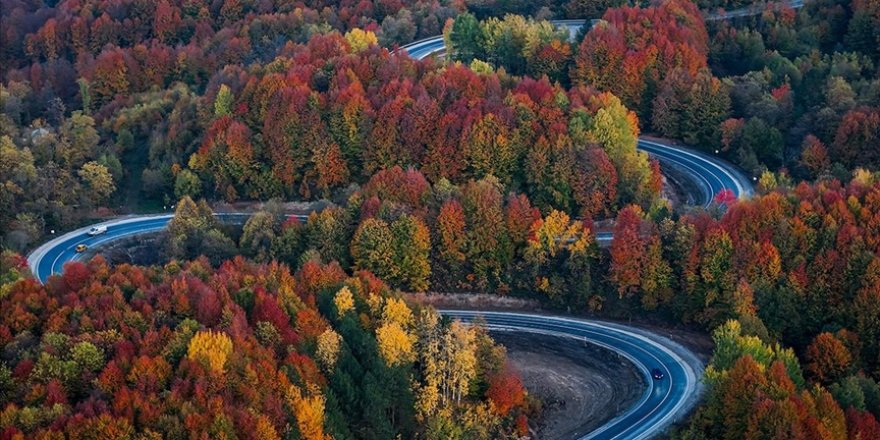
211	348
506	391
635	47
139	357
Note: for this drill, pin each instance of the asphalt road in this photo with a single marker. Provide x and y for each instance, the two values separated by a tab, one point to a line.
663	401
49	259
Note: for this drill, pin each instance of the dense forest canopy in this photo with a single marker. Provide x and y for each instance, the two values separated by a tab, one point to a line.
241	351
793	89
492	170
322	116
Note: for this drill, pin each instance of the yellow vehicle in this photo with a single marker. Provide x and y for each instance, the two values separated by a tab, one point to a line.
81	248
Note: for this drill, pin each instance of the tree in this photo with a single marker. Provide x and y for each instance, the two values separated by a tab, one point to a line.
330	166
407	187
290	242
451	234
710	279
552	59
429	333
223	101
211	349
628	256
167	21
226	157
657	274
411	244
329	344
862	33
520	217
191	230
594	183
187	184
754	143
397	312
506	391
488	242
329	233
615	129
360	40
396	345
110	76
464	39
79	140
691	108
97	179
632	50
17	172
372	249
862	425
814	156
258	235
458	361
827	358
856	135
589	8
557	253
344	302
387	148
308	411
488	150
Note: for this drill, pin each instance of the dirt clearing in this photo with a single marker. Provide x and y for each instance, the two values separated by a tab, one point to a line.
580	385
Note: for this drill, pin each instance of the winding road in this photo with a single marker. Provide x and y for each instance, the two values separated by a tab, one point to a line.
708	176
662	402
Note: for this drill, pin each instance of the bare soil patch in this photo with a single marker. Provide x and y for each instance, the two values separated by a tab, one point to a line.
581	386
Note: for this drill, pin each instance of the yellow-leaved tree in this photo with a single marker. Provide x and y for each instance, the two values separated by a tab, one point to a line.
448	358
430	334
210	348
344	301
395	344
328	348
458	359
308	411
265	430
396	311
360	40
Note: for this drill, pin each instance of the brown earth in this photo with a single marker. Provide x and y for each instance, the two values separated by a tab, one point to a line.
581	386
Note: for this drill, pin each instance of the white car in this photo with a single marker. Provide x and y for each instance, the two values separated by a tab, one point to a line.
97	230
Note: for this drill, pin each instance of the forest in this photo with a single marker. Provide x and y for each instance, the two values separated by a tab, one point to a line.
244	351
491	170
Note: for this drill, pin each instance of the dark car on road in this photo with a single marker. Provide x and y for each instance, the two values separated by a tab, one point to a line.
657	374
